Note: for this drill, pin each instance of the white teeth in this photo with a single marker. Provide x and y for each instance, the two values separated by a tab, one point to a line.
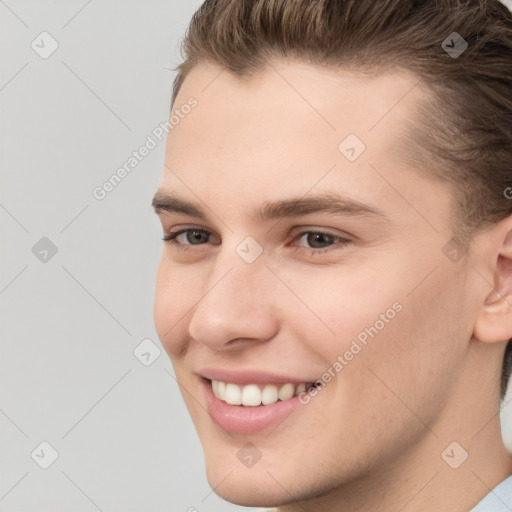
252	395
301	388
233	394
269	395
215	387
286	391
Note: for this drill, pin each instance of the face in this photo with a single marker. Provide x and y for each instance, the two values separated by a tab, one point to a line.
303	249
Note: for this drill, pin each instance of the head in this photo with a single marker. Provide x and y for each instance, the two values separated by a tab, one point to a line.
345	182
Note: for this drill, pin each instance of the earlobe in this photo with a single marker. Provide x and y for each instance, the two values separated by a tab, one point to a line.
494	323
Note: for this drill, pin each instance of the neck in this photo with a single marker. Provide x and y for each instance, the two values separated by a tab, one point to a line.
431	475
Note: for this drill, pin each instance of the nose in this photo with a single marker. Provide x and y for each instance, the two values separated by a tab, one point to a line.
237	306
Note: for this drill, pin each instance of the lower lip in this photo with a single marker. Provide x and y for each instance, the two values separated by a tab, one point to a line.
241	419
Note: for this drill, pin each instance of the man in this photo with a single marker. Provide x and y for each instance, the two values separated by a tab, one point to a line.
335	288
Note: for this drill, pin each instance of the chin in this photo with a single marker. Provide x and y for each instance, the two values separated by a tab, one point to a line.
248	488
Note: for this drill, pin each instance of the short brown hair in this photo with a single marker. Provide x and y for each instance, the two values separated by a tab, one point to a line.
463	131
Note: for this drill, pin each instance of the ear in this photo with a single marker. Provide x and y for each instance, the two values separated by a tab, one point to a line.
494	323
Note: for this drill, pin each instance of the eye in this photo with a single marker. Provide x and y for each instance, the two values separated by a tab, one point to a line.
308	242
318	242
191	236
318	239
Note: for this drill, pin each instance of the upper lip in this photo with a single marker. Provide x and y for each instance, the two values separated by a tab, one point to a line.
249	376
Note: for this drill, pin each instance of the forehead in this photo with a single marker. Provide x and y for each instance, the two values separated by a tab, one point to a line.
288	102
318	93
286	130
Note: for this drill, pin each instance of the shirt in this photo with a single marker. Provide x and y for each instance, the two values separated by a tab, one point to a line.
498	500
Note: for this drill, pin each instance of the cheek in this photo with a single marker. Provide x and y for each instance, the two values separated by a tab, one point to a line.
415	359
436	324
174	298
333	307
413	341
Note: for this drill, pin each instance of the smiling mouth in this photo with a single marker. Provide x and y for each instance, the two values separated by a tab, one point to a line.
253	395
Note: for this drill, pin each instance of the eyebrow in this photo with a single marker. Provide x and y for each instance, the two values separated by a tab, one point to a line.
330	202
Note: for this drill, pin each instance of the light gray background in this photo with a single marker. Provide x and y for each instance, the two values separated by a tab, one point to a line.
70	324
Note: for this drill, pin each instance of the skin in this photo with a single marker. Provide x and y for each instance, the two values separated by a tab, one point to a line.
372	438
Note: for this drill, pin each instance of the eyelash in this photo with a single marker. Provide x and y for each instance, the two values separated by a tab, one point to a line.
171	239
